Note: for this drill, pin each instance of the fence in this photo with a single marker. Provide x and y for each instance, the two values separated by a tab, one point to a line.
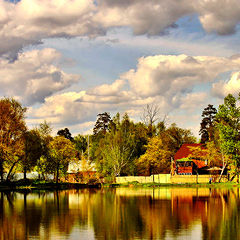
157	178
177	179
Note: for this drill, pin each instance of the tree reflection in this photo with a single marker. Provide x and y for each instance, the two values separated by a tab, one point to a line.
121	213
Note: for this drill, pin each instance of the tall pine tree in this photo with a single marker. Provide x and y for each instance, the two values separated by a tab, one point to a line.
207	124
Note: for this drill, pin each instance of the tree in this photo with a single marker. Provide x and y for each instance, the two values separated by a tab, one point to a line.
151	114
33	150
62	152
102	124
207	124
209	152
228	124
117	152
12	129
65	133
157	158
174	137
44	163
80	143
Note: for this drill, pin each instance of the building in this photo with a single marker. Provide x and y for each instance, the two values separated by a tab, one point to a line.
184	164
81	172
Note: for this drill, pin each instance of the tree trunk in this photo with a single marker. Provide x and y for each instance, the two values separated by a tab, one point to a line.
25	173
222	172
233	177
1	169
10	171
57	175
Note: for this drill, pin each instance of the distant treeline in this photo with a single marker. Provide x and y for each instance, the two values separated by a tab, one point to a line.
118	146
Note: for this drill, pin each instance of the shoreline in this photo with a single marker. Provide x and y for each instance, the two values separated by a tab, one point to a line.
15	186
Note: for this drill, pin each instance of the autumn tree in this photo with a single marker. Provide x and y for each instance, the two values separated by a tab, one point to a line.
33	150
62	152
12	129
160	149
209	152
157	158
207	123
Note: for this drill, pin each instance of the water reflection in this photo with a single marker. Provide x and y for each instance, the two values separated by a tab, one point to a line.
123	213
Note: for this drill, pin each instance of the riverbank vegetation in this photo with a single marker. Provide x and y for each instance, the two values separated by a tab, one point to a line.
118	146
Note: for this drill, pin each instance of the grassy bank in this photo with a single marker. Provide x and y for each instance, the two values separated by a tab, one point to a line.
190	185
42	185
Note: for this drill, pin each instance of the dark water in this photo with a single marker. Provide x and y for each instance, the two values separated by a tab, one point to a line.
125	213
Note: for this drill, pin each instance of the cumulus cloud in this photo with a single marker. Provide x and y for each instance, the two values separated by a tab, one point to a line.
172	76
145	17
34	76
108	89
163	79
219	16
223	88
30	21
73	108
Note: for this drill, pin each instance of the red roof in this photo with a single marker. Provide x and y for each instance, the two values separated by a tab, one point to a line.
200	163
185	150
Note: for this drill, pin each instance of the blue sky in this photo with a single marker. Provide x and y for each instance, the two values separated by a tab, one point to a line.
69	60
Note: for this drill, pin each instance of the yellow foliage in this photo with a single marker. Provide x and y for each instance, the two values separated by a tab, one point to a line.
157	158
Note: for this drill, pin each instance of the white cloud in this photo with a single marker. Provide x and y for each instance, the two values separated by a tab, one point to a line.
219	16
108	89
171	76
191	100
166	80
145	17
34	76
30	21
222	89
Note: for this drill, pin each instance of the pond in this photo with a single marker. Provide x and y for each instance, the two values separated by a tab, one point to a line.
121	213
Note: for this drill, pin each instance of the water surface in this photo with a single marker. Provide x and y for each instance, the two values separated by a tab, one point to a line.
122	213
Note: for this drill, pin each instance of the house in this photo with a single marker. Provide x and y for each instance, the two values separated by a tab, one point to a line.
81	171
186	165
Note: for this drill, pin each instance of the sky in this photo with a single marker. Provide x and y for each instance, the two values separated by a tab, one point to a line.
69	60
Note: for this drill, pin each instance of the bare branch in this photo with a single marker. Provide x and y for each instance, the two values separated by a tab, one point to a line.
150	114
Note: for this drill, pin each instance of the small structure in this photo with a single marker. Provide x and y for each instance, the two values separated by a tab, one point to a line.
185	165
80	171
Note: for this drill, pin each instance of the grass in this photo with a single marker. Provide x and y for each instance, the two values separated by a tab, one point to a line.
43	185
190	185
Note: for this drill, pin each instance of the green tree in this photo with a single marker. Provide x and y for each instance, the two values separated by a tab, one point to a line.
118	152
207	124
175	136
80	143
65	133
44	163
115	153
102	124
62	152
12	129
228	124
